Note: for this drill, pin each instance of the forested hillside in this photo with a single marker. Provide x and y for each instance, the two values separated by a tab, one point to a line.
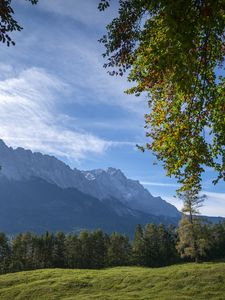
152	246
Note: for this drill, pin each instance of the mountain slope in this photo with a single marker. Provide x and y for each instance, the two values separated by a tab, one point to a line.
20	164
113	183
36	205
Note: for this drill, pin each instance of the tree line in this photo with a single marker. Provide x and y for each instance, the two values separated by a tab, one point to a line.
152	246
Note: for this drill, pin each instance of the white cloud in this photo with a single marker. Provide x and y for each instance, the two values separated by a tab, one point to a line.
174	201
152	183
72	50
6	71
29	117
214	204
85	68
216	196
82	11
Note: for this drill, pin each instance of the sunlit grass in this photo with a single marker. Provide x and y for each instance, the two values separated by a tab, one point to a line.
188	281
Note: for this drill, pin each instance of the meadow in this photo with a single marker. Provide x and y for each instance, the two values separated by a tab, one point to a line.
185	281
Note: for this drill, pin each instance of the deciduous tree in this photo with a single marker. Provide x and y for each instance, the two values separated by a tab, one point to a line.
193	241
8	23
173	51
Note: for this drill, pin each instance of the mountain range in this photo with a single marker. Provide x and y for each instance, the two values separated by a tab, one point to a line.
39	192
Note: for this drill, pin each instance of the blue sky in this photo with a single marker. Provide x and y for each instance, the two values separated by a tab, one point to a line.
55	97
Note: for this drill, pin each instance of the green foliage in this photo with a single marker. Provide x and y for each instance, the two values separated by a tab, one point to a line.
138	247
193	240
152	255
5	253
159	246
119	250
7	22
172	50
73	251
58	251
192	202
153	246
216	239
188	281
100	243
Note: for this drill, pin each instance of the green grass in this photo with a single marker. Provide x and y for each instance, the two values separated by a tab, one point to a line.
188	281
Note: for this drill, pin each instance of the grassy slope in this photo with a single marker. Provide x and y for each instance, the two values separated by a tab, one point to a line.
189	281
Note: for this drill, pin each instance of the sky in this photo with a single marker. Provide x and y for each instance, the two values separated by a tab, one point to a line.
56	98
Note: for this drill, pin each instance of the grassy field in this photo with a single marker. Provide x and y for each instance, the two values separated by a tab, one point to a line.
188	281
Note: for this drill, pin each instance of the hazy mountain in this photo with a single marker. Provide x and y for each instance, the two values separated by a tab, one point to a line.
39	192
20	164
36	205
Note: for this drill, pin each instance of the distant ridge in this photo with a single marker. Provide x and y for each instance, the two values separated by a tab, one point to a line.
21	164
38	206
39	192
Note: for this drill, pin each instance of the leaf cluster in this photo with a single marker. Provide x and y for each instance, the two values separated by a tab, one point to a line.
8	23
172	51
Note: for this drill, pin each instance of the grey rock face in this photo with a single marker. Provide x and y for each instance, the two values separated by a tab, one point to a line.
21	164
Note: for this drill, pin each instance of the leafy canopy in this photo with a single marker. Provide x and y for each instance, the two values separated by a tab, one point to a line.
7	22
173	51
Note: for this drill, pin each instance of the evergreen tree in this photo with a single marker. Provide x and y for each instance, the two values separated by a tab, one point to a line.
23	249
99	249
216	237
58	251
119	250
172	237
138	247
72	251
46	244
86	249
163	249
5	253
151	246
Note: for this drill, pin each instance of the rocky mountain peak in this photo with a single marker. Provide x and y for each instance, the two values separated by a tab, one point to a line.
21	164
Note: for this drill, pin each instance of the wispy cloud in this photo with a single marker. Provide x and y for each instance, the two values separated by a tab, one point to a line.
29	117
215	196
85	12
174	201
82	63
100	88
152	183
214	204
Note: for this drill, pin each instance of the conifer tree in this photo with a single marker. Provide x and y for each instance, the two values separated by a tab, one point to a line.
151	246
99	249
72	251
192	241
86	249
5	253
58	251
46	250
163	250
119	250
138	247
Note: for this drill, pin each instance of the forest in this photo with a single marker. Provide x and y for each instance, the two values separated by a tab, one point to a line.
152	246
